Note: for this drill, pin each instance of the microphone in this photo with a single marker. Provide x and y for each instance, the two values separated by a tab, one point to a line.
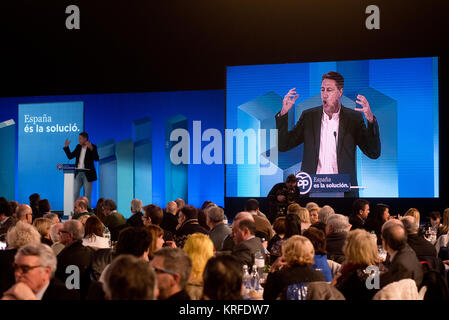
335	136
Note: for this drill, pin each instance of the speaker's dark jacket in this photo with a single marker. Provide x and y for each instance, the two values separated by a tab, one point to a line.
352	132
89	158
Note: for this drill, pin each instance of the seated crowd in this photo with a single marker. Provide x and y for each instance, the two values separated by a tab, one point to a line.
187	253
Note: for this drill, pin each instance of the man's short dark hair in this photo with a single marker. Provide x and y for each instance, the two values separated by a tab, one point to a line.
130	278
190	212
34	199
5	208
291	178
222	278
133	240
395	236
250	225
110	204
338	78
155	213
434	215
252	205
44	206
359	204
84	135
318	239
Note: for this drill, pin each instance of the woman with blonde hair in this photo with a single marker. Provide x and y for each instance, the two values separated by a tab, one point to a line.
200	248
157	238
43	225
360	252
413	212
293	267
302	213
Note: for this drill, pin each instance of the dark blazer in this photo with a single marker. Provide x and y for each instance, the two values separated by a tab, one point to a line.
356	222
169	222
135	220
245	250
352	283
334	246
405	265
425	251
90	157
352	132
189	227
218	234
7	279
58	291
11	222
277	282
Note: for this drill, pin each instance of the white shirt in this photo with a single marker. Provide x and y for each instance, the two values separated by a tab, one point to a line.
81	159
327	160
97	242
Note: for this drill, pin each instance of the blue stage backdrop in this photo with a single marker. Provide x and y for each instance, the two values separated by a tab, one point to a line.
134	146
403	94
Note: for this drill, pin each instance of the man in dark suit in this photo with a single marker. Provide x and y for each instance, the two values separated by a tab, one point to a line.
403	263
246	243
360	212
85	153
188	222
330	132
7	220
34	267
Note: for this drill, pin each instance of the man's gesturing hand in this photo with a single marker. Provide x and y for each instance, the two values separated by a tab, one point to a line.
365	108
289	101
67	142
89	145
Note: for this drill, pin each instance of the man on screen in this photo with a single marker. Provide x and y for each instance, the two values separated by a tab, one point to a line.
330	132
85	153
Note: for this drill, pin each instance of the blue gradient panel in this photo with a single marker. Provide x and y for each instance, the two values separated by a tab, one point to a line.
403	95
107	170
143	171
124	151
176	175
8	159
40	148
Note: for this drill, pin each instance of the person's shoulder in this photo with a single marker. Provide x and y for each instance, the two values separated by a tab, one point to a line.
312	111
351	113
57	290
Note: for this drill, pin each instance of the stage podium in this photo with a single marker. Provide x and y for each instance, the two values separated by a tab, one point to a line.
69	179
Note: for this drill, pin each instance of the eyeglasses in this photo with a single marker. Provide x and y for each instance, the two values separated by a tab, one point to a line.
24	268
157	270
62	231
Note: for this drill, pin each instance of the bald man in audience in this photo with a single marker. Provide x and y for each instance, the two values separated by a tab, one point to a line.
228	242
24	213
170	220
403	261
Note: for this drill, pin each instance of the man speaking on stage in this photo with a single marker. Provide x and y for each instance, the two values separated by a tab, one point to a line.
85	153
330	132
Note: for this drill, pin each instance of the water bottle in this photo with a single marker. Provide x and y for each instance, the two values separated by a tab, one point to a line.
246	280
373	235
107	235
255	279
259	261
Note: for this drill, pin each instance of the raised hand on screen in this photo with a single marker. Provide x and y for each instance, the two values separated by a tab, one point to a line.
289	101
67	142
365	107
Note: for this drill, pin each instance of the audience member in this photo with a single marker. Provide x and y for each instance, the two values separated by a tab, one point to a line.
57	246
24	213
218	230
136	219
444	229
157	239
188	224
403	261
314	215
360	212
18	236
360	252
318	240
375	220
337	228
200	249
74	254
98	211
13	206
173	267
153	214
263	225
130	278
246	244
93	234
34	269
293	268
275	244
323	214
43	225
180	203
53	217
170	220
80	209
113	220
7	219
228	242
34	205
310	205
222	278
44	207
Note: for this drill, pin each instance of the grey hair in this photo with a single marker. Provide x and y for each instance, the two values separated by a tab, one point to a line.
324	213
215	214
176	260
390	223
76	228
136	206
54	231
45	254
338	222
244	215
410	225
22	234
50	215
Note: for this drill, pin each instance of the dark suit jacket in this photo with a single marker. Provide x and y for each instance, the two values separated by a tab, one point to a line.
89	159
135	220
405	265
7	279
334	246
245	250
352	132
356	222
218	234
58	291
11	222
